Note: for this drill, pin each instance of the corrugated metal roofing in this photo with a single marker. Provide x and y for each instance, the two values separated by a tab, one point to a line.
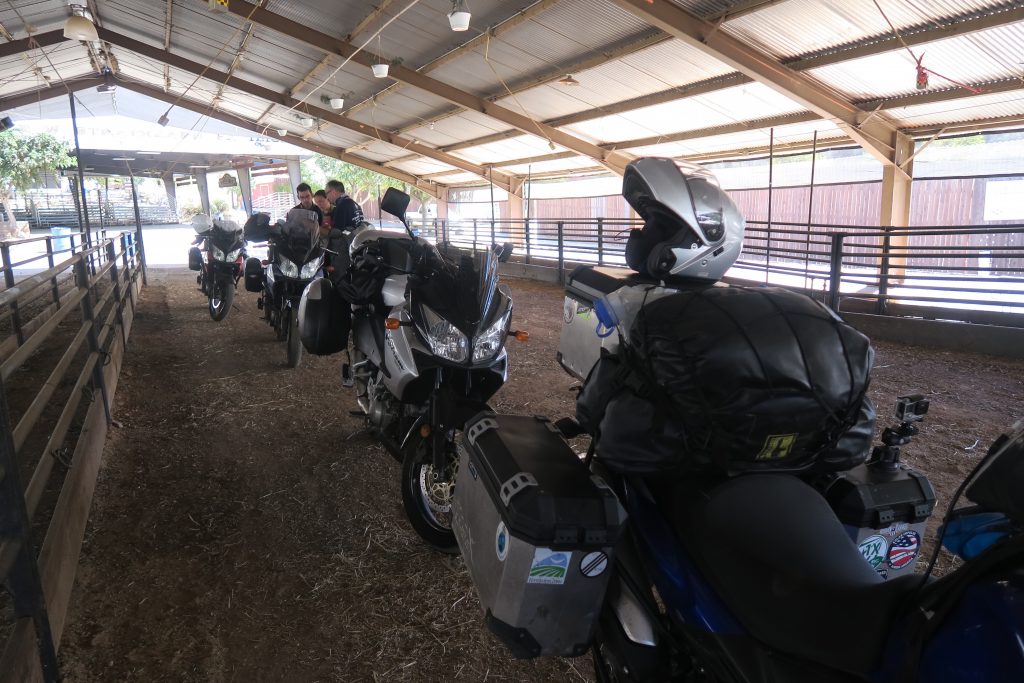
961	111
740	103
796	27
546	44
974	58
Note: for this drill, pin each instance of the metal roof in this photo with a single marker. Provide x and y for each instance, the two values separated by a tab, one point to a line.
638	89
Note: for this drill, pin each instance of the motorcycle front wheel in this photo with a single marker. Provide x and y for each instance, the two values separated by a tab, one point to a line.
427	497
281	321
294	342
222	293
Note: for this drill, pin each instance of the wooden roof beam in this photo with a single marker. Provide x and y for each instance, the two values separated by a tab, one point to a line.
877	136
961	25
204	108
501	27
272	96
321	41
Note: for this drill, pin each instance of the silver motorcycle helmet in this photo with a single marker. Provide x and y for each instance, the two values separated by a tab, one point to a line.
692	229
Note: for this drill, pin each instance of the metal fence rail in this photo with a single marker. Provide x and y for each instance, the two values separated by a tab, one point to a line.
968	273
73	317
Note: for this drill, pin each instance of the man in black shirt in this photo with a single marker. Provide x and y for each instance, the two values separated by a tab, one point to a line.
347	213
305	194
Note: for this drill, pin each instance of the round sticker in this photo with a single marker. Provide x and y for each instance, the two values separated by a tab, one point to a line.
501	542
873	549
903	550
593	564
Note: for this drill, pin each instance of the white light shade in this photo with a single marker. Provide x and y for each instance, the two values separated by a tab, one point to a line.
337	102
459	20
380	70
80	28
307	122
282	131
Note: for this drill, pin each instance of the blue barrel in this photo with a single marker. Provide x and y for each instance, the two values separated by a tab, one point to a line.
63	242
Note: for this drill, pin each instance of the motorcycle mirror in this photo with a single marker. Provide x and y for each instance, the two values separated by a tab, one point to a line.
395	202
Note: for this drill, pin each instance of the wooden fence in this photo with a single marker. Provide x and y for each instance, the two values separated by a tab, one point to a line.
67	327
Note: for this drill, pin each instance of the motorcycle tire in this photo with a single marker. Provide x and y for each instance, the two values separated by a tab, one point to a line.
294	339
428	516
281	323
222	294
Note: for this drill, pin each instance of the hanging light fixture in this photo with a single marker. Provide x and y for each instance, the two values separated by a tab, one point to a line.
282	132
80	27
458	18
337	103
307	121
568	80
380	69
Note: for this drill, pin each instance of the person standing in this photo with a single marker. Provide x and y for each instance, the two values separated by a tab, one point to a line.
324	204
305	195
347	213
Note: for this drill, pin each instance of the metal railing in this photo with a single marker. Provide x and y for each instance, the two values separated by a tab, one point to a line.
72	317
968	273
45	210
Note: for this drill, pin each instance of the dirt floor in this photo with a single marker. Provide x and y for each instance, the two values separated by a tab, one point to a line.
245	529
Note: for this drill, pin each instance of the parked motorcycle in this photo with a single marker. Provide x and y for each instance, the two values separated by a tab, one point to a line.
428	337
724	525
295	256
218	253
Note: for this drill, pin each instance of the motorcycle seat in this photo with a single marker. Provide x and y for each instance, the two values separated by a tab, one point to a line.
783	564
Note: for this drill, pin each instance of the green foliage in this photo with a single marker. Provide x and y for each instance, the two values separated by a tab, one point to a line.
318	169
962	141
218	205
187	211
25	158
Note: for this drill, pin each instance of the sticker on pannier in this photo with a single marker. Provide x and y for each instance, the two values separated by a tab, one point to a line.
549	566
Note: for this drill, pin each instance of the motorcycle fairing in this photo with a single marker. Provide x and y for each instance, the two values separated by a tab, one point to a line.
983	637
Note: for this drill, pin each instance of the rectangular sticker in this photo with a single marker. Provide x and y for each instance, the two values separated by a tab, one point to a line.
549	566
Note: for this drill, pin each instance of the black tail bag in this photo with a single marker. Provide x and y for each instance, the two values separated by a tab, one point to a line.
733	378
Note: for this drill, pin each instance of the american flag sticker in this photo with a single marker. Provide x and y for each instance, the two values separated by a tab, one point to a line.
904	549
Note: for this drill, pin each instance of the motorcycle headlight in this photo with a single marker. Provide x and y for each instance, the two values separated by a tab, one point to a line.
487	345
446	341
217	253
288	269
309	270
233	254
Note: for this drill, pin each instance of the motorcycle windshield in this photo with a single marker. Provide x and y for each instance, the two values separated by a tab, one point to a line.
226	238
299	239
463	292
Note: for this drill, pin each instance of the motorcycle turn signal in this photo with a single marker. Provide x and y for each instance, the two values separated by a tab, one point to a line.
521	335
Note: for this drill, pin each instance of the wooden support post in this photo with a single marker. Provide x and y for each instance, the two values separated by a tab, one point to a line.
897	182
18	568
89	316
53	280
5	252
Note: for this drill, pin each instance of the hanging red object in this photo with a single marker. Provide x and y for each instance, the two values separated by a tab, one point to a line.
922	77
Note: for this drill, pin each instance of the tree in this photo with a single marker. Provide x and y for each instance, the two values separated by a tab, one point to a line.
24	159
362	183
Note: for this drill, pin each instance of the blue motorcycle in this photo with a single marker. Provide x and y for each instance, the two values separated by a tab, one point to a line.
755	580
